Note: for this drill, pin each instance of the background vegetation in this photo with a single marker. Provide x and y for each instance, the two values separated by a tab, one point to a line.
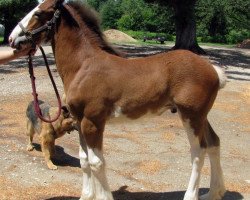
11	11
217	21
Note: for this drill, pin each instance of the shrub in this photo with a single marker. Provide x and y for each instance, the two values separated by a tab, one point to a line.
214	39
139	35
234	36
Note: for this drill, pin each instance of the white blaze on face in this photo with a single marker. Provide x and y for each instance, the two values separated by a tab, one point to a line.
25	21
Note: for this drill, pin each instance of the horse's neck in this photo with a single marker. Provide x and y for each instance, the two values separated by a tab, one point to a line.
71	49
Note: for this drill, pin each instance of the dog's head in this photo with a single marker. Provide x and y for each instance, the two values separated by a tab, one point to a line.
65	112
66	122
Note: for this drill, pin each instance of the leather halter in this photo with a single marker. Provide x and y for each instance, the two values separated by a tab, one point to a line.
30	37
46	27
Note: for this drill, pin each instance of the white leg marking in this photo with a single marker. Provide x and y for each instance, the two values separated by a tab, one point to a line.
217	188
95	159
25	21
197	160
97	163
88	189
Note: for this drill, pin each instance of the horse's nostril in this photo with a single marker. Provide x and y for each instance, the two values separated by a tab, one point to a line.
10	40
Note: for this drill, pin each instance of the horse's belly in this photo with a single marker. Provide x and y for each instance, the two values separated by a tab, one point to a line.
119	114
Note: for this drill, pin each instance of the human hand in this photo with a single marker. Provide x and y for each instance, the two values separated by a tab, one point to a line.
24	52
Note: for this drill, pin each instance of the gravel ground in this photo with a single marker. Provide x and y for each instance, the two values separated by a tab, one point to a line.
147	159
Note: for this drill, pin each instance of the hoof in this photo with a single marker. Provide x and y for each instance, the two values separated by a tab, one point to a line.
87	197
190	196
215	195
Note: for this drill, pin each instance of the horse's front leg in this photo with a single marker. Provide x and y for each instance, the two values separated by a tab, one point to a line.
97	181
88	183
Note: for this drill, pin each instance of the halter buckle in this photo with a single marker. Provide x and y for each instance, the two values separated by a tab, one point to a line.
57	14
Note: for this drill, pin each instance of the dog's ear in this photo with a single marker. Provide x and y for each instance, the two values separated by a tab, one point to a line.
65	111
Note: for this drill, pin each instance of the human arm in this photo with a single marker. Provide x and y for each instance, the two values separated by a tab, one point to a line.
8	55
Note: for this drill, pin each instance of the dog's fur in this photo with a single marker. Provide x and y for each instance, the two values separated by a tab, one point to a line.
48	132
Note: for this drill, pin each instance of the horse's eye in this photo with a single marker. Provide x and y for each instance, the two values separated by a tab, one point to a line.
38	14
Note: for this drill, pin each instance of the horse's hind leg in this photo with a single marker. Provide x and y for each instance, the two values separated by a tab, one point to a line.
203	140
93	134
217	188
197	160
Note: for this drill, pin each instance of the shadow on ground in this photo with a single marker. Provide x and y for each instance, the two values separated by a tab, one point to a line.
229	57
226	57
123	194
62	158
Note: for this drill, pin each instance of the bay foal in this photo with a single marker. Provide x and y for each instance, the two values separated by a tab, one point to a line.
98	82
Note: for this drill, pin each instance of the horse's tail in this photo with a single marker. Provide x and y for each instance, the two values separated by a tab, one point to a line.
222	75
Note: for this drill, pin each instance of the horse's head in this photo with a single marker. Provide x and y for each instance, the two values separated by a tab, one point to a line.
36	26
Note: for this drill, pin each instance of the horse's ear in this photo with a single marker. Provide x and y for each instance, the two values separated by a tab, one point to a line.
58	3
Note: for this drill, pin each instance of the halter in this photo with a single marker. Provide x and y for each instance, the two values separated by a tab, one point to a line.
30	37
46	27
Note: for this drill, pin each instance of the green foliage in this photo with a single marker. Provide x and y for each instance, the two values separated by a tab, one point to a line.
139	35
110	13
235	36
11	11
15	8
134	15
139	15
96	4
223	21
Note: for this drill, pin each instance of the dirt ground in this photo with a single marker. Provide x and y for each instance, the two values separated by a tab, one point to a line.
147	159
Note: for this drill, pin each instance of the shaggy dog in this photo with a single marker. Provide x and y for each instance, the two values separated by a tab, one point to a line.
48	132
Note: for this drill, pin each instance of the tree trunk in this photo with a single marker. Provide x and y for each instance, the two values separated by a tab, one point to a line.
9	24
186	26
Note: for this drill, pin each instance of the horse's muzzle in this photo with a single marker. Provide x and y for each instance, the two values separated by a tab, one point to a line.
18	42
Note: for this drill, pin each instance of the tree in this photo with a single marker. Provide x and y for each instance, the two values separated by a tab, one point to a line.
185	24
132	18
94	3
224	21
211	20
138	15
110	13
11	11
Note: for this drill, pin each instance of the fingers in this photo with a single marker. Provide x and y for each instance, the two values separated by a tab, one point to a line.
25	52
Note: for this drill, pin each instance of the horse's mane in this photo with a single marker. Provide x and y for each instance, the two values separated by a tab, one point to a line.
89	17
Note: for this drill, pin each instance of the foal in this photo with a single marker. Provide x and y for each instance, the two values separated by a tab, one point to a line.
98	82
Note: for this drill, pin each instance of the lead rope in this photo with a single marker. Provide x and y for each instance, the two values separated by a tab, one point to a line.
34	93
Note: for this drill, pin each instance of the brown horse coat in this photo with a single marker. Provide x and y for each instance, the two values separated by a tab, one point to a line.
98	83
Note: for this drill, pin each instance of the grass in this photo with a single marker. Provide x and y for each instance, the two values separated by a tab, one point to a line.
217	45
1	39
